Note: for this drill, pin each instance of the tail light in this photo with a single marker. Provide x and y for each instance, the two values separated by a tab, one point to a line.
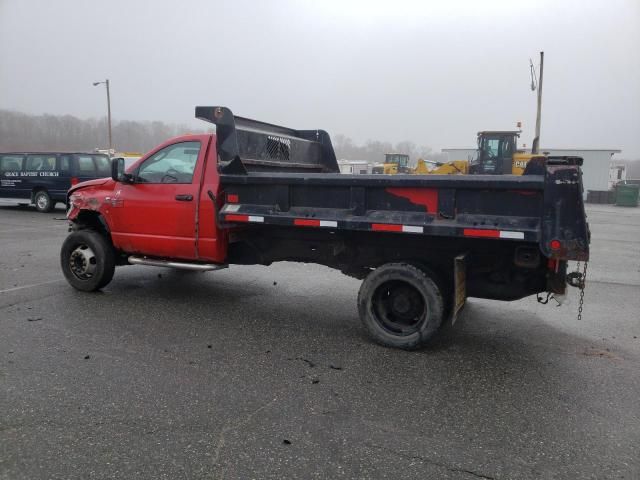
74	181
555	245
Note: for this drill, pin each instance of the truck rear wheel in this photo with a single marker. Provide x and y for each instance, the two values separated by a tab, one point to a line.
400	306
88	260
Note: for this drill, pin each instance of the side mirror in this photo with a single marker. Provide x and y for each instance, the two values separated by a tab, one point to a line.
117	171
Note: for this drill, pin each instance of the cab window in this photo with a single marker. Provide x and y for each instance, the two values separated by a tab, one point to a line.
10	163
41	162
172	164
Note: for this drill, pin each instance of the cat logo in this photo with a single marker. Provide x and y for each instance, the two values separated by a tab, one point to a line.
520	163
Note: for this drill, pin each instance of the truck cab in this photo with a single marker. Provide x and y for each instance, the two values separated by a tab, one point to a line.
155	206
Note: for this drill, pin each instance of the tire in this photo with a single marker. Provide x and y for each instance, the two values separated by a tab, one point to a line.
400	306
88	260
43	201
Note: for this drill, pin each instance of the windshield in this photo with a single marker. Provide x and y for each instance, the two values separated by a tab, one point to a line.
397	158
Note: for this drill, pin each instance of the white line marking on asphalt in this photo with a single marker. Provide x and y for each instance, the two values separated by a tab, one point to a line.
30	286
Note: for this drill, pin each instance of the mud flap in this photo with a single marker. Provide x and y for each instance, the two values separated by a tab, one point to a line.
460	285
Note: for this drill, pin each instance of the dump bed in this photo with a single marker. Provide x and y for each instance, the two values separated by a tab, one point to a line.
265	185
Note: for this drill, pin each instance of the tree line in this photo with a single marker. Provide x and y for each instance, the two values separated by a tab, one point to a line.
24	132
373	150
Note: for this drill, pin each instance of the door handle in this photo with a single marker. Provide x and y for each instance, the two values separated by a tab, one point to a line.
184	198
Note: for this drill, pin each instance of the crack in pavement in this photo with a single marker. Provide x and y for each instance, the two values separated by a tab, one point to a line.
431	462
234	426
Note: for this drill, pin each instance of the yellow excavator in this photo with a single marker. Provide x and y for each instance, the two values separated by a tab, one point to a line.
497	154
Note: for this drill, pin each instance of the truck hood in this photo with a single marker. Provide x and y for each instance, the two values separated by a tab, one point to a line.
89	183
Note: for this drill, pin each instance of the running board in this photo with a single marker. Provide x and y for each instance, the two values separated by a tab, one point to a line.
155	262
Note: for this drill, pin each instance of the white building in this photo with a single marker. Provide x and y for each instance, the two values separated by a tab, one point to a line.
595	169
357	167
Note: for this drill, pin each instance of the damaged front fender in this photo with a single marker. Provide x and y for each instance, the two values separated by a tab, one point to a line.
93	196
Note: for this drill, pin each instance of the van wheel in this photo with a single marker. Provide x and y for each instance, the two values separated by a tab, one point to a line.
400	306
43	201
88	260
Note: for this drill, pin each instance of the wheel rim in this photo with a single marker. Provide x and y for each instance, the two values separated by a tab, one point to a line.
41	202
399	307
83	262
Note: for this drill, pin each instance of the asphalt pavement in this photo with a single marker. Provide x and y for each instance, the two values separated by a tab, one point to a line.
265	372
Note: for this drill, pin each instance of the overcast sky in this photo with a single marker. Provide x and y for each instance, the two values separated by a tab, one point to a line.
433	72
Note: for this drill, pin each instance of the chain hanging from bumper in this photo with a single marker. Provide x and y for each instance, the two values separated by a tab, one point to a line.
581	285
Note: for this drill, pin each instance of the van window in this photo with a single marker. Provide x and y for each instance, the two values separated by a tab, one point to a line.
41	162
65	163
85	164
103	165
10	163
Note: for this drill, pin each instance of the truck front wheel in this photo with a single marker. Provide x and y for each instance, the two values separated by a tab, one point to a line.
88	260
400	306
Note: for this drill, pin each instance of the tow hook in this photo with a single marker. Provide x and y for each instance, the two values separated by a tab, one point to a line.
575	279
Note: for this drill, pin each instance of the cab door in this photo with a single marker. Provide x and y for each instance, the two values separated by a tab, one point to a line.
155	215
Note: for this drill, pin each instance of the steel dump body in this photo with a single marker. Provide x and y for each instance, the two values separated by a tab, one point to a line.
468	206
496	222
274	175
514	208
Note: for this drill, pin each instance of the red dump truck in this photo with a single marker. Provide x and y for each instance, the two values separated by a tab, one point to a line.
257	193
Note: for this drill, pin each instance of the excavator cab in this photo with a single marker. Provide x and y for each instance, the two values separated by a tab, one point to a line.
496	151
396	163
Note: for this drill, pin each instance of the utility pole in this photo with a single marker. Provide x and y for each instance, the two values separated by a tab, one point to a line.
106	82
536	140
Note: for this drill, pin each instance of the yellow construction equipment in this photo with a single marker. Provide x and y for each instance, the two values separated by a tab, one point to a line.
399	163
497	154
395	163
454	167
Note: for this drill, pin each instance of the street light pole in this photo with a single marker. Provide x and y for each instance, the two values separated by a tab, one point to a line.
106	82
